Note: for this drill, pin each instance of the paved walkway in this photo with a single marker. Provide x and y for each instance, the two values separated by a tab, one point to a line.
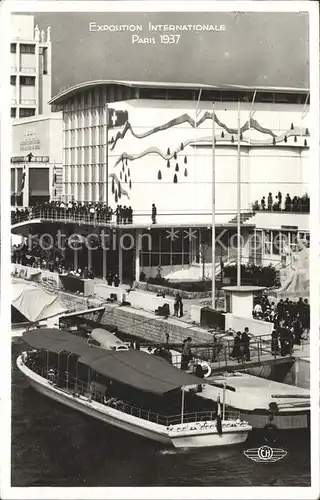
187	303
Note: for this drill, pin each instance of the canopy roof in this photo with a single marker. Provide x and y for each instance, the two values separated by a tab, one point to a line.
34	303
66	94
136	369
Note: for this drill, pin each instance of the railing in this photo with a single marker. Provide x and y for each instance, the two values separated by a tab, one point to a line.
201	416
25	69
219	353
66	215
80	388
304	208
28	101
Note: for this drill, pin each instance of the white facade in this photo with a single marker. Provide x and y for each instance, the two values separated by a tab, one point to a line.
160	144
42	137
30	73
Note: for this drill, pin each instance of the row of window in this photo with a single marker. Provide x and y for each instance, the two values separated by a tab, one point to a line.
23	112
113	93
23	80
164	259
81	156
25	48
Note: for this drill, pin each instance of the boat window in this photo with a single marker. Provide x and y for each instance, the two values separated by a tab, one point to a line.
229	387
92	341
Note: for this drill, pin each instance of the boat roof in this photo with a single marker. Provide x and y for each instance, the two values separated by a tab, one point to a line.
133	368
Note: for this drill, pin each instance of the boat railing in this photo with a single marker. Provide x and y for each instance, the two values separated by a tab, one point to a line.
202	416
94	391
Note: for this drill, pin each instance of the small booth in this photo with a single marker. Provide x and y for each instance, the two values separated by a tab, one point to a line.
239	299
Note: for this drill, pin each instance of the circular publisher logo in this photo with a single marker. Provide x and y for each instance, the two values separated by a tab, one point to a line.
265	453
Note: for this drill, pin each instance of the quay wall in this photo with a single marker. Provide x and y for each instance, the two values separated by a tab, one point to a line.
136	322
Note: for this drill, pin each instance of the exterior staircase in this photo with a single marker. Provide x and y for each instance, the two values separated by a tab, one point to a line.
244	217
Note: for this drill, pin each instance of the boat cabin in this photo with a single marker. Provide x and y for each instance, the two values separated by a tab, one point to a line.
133	381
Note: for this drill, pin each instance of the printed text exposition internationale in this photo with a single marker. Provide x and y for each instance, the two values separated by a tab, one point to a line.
133	28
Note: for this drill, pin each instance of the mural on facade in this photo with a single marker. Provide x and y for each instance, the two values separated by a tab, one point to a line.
227	135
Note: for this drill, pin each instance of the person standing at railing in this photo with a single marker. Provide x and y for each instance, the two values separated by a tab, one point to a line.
236	351
245	341
274	342
154	213
130	211
186	356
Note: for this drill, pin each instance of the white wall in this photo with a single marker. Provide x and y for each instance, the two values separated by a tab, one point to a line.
46	129
263	169
274	220
27	93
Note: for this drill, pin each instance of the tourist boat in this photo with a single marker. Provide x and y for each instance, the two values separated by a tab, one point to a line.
260	401
129	389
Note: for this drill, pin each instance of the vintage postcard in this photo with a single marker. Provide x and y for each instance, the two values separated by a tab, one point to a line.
159	249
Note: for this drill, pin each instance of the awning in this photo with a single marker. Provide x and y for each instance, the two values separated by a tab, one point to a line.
33	302
133	368
140	370
55	340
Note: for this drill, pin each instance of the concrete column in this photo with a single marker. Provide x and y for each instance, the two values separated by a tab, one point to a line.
200	255
89	258
104	264
138	249
25	197
16	187
120	259
75	260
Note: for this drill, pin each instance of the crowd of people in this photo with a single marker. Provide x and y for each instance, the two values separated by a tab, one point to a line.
291	321
93	211
59	209
291	204
39	258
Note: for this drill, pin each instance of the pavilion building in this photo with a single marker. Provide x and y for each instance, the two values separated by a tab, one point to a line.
136	144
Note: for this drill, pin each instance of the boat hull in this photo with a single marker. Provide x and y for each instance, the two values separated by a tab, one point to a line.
227	438
194	435
96	410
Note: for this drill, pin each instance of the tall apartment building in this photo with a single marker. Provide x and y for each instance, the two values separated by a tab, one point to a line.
30	74
36	161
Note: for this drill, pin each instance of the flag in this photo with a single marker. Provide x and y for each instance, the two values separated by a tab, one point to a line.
23	179
219	423
117	118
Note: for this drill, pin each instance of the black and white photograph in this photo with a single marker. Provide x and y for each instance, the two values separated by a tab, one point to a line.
160	198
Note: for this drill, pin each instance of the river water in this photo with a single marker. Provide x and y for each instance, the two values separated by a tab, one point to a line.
53	445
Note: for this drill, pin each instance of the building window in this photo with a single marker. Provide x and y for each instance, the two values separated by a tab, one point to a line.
13	48
28	80
264	97
13	112
26	48
12	79
25	112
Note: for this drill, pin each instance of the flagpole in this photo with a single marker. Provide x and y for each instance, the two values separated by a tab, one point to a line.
238	203
213	241
224	402
107	155
182	403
